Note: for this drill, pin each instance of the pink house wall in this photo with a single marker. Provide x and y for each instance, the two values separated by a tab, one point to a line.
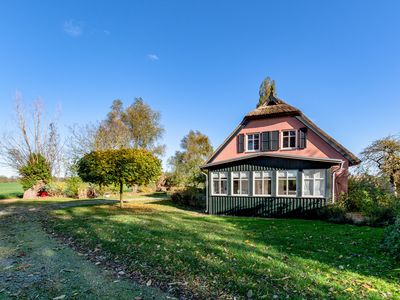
316	147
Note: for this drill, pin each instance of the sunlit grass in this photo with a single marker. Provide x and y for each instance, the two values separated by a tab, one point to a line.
226	256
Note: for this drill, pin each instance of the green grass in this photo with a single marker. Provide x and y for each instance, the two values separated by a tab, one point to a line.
222	257
10	190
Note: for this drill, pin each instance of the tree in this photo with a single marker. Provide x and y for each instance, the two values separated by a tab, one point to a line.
119	167
34	138
383	155
186	164
267	88
136	127
36	169
113	132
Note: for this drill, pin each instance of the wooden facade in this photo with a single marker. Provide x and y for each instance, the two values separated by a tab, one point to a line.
267	206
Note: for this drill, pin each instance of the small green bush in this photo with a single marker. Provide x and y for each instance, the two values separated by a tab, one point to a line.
371	196
391	240
194	197
72	187
36	169
55	188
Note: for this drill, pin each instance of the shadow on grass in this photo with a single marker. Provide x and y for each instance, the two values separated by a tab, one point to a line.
231	254
10	196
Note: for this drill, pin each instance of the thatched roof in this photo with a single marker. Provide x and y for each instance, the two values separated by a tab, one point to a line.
273	107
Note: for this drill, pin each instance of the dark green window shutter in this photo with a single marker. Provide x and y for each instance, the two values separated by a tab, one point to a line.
240	143
274	137
265	141
303	138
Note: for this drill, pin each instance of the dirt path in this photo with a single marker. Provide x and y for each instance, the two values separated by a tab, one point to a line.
35	266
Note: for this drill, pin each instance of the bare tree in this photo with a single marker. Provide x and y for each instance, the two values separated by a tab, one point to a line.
33	136
383	156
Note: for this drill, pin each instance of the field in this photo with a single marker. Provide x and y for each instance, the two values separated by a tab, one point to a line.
188	253
10	190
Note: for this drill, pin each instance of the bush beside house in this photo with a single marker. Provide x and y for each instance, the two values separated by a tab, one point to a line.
368	202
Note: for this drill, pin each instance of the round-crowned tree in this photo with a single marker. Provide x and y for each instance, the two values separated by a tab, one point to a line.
119	167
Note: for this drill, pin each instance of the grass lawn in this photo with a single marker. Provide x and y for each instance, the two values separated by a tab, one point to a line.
10	190
222	257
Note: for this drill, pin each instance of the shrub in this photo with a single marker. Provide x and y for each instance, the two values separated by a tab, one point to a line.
194	197
72	187
391	240
36	169
370	196
55	188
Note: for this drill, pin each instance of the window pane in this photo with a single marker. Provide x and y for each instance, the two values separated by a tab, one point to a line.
292	174
319	174
282	187
235	175
224	187
292	133
307	174
308	187
236	186
267	187
285	142
291	187
250	145
243	175
258	187
256	144
319	187
286	133
282	174
267	174
215	187
214	175
292	142
245	187
257	175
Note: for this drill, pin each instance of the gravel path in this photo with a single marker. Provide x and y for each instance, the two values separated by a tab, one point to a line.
35	266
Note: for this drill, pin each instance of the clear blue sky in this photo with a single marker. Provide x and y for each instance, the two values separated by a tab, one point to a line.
200	63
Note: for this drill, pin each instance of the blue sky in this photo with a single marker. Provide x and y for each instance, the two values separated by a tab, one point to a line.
200	63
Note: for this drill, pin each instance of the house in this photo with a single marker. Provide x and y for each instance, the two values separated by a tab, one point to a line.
276	162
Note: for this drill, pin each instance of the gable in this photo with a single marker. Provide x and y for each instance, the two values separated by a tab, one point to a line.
318	145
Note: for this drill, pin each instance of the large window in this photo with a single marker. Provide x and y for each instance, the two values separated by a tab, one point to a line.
289	139
253	142
314	183
262	183
240	183
219	183
287	183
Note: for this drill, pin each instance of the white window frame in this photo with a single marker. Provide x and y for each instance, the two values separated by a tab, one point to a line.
240	183
219	183
287	183
295	139
262	184
323	179
247	141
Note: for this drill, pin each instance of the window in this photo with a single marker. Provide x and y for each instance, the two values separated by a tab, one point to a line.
289	139
314	183
253	142
219	183
262	183
287	183
240	183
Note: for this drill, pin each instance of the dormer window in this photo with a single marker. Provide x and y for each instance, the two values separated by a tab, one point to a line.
289	139
253	142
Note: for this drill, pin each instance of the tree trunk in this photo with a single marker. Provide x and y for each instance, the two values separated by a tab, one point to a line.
121	187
